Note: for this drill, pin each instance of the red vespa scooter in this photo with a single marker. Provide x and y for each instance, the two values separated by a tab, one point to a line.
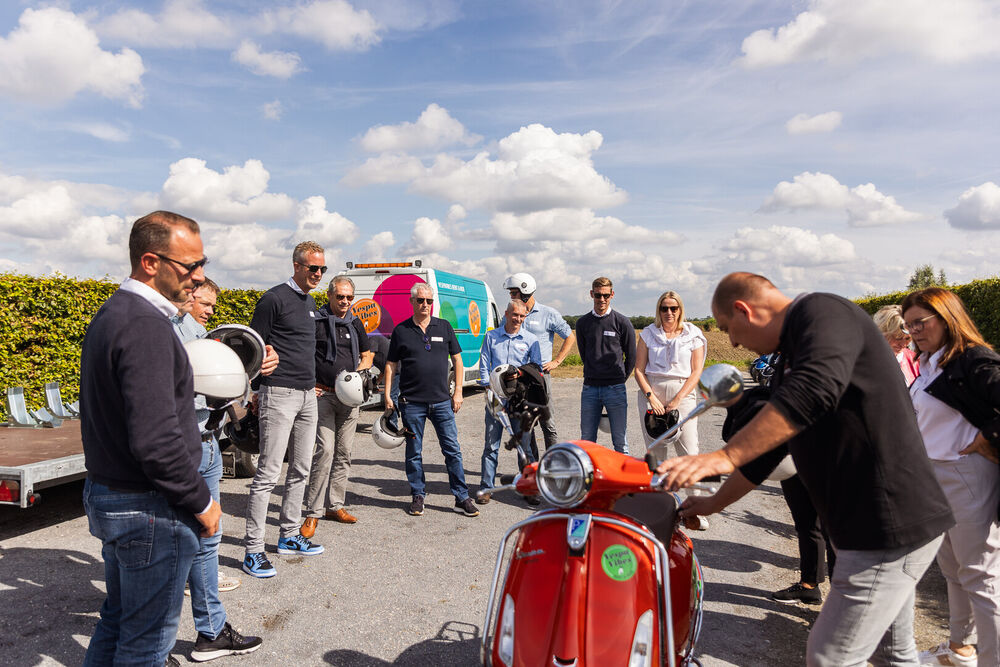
604	577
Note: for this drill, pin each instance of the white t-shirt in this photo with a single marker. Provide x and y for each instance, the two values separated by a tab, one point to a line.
944	430
671	357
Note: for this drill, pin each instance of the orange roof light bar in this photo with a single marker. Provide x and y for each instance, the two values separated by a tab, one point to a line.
383	265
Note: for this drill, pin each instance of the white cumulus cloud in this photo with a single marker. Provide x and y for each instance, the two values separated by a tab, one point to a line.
279	64
572	225
789	246
429	236
334	23
376	247
237	194
820	123
53	55
977	208
435	128
535	169
272	110
180	24
833	30
865	205
314	223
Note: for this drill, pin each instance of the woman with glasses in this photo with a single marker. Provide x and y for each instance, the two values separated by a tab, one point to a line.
957	402
889	320
670	355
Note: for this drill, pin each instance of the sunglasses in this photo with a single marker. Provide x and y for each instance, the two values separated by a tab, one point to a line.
422	300
516	294
189	267
313	268
340	297
601	295
427	343
669	309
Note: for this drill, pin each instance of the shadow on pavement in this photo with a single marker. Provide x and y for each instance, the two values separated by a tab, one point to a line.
455	644
736	557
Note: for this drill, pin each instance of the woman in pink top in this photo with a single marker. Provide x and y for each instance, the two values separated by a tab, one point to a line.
889	320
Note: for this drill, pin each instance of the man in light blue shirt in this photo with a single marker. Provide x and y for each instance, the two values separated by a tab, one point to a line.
508	344
544	322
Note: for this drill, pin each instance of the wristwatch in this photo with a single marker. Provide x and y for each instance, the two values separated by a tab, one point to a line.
648	394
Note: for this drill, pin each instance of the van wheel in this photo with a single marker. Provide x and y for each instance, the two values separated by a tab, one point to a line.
246	464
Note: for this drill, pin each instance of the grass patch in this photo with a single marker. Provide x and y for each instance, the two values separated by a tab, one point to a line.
742	364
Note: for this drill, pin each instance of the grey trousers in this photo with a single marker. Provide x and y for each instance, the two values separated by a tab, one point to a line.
970	555
548	425
869	611
331	464
287	423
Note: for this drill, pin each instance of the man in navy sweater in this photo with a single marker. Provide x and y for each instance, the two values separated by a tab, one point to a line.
606	339
144	497
285	317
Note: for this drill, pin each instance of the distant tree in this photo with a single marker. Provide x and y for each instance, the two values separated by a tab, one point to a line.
924	277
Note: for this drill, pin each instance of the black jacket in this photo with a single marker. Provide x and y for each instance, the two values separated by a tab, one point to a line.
971	385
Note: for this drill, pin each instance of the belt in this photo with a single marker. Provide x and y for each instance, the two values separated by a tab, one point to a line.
323	387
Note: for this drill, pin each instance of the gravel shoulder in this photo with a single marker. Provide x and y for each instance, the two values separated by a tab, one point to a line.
400	590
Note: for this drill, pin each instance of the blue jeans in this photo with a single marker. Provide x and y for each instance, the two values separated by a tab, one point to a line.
491	450
148	547
443	418
206	607
611	398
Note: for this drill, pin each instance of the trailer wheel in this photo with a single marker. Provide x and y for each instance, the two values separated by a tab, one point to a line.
246	464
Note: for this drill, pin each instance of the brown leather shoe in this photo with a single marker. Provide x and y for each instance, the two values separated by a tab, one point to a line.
341	515
309	527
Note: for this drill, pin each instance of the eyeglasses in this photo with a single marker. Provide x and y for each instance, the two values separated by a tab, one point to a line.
427	343
601	295
189	267
422	300
916	326
313	268
340	297
669	309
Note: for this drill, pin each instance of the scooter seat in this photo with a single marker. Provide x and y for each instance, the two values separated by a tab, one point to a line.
656	511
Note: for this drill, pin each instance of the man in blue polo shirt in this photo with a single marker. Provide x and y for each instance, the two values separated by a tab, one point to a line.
510	344
418	352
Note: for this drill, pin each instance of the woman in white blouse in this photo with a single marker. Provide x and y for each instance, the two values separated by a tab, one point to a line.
670	355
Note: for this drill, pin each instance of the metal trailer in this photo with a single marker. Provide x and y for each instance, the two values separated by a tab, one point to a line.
36	458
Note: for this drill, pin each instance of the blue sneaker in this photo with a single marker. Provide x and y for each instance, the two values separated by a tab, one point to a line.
257	565
298	545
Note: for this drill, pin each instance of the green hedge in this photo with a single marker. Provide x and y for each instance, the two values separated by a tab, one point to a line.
981	298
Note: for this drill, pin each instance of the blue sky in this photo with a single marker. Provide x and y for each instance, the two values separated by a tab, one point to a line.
829	145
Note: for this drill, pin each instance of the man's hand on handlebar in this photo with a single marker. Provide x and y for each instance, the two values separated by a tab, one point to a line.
684	471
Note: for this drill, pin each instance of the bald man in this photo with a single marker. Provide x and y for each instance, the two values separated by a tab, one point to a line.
840	404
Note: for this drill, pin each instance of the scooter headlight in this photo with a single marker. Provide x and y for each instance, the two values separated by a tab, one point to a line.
564	475
505	645
642	642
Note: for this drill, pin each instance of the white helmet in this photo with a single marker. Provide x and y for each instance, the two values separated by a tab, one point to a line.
501	385
245	342
218	372
383	433
785	470
522	282
350	388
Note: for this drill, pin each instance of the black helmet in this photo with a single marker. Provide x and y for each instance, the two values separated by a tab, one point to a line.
656	425
244	434
528	401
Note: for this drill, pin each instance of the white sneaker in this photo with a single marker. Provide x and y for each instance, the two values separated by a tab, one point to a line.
228	583
943	655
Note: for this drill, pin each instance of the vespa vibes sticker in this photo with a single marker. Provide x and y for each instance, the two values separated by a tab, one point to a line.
369	313
619	562
475	323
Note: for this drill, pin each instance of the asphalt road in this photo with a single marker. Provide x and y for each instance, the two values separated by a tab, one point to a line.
400	590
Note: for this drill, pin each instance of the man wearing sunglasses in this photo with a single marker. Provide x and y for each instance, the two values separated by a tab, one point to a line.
606	339
285	317
341	345
419	351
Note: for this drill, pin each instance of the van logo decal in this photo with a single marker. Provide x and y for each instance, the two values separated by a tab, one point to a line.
475	324
369	313
618	562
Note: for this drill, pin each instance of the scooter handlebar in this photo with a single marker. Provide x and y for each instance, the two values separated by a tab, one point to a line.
507	479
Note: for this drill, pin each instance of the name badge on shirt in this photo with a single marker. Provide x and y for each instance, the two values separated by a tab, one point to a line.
437	339
312	313
610	333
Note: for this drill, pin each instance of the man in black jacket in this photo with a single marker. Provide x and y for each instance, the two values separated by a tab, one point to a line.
144	497
840	404
341	345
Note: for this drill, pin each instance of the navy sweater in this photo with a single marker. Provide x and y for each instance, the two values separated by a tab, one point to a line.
137	404
607	346
287	320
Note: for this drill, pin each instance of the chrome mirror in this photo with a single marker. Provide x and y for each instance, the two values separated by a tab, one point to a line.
720	383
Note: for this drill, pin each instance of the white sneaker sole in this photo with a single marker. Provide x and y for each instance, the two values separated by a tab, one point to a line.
297	552
205	656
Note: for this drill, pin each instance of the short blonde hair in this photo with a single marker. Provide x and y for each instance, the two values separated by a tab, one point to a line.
658	316
601	282
889	320
305	248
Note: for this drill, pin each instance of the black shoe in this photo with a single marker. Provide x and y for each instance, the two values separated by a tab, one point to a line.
533	500
416	507
466	507
483	499
229	642
798	593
